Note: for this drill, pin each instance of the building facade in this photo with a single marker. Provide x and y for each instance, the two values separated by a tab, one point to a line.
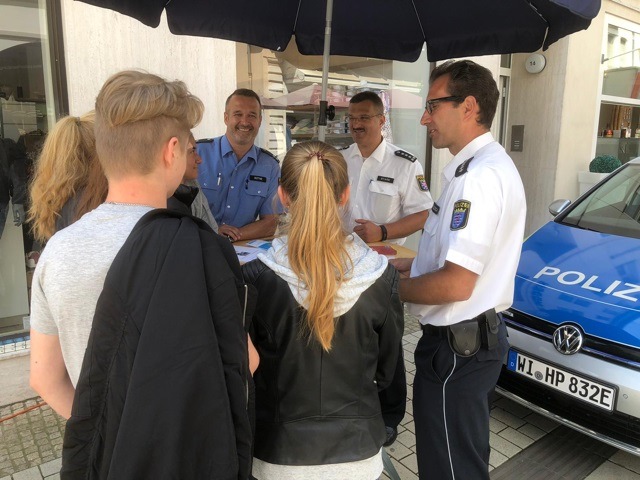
55	55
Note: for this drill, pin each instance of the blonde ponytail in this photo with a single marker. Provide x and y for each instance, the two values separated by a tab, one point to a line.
314	177
66	167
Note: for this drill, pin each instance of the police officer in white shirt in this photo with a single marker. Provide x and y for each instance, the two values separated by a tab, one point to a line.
463	276
389	200
389	195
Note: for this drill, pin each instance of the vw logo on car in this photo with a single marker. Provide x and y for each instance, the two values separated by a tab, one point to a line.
567	339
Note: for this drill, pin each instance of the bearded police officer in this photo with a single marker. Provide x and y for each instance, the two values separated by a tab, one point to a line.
389	195
463	276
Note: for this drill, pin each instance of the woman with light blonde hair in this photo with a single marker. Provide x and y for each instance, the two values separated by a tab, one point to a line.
327	326
68	180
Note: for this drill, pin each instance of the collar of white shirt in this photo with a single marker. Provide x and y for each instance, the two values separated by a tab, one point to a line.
378	153
466	153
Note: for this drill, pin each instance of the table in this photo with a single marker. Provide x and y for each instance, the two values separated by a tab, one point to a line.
401	251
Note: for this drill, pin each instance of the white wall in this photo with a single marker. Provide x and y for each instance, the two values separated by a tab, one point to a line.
559	108
100	42
537	103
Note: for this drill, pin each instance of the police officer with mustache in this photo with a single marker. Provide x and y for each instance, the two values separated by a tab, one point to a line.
389	201
389	194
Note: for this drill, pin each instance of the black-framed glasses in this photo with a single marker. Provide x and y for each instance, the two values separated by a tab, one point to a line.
362	118
431	103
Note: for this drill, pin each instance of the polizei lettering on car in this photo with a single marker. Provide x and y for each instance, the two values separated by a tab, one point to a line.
589	278
617	288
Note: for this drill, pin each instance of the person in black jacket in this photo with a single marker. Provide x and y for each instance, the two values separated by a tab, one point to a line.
13	182
162	390
138	336
327	325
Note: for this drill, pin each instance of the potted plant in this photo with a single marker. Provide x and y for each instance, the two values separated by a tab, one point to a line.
599	168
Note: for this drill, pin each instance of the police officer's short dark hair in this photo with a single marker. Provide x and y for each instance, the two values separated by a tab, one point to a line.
467	78
243	92
370	97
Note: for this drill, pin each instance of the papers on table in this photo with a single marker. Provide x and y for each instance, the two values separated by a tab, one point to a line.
262	244
251	249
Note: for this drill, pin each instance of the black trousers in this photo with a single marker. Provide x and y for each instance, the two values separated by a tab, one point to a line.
393	399
451	408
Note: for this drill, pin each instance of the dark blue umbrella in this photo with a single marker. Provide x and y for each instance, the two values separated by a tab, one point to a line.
388	29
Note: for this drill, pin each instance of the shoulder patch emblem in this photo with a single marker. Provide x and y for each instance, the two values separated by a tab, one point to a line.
422	183
460	215
205	140
463	167
405	155
264	150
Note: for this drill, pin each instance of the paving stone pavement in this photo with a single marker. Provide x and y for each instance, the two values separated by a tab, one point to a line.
31	443
30	440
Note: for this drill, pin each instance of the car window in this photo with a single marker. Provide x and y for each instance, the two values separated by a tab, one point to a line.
613	208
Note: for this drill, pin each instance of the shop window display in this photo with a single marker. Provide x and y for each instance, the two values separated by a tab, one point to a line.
619	122
26	112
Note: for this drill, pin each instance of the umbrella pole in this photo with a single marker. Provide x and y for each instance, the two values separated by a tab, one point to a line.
322	121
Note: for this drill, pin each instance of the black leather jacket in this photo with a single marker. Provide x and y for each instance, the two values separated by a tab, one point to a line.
313	407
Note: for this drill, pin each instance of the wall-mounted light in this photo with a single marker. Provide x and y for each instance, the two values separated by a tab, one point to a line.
535	63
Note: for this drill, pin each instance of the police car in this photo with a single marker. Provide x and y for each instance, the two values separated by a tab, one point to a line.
574	327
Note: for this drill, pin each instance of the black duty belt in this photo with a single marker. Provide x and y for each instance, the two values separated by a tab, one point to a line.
466	337
434	331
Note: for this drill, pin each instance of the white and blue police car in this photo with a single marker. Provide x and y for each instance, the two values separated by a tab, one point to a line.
574	327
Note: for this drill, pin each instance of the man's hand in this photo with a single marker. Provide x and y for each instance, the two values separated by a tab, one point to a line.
18	214
403	265
254	356
230	231
367	230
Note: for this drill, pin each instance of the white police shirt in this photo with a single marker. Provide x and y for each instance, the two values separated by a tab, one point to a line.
477	223
385	187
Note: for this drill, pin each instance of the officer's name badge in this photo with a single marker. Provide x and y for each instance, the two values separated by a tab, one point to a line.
257	178
384	179
460	214
422	183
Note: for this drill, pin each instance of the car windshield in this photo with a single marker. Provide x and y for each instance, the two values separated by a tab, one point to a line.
613	208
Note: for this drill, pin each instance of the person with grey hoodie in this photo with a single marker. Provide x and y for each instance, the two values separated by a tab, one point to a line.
328	325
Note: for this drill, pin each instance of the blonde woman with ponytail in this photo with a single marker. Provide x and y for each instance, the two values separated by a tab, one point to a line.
327	326
68	180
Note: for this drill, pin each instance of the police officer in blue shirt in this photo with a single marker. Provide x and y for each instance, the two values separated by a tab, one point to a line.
239	179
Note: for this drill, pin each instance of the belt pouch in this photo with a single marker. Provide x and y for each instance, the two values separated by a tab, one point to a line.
464	338
489	322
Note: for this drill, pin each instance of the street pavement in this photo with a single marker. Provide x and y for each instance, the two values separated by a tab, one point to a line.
31	442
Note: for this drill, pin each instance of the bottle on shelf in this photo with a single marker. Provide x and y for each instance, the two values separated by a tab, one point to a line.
608	133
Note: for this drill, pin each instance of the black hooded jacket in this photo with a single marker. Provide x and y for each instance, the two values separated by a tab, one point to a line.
163	388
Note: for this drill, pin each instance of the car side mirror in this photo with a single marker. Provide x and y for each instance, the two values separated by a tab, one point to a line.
558	206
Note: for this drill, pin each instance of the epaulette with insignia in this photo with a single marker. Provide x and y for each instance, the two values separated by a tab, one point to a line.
264	150
344	148
406	155
205	140
463	167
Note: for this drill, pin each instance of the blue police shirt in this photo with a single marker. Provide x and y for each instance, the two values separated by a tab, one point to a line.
238	191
